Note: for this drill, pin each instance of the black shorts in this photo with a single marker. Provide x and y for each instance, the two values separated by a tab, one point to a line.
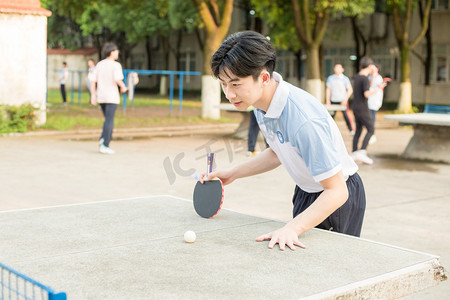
348	218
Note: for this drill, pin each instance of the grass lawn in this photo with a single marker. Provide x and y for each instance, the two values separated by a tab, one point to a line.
146	110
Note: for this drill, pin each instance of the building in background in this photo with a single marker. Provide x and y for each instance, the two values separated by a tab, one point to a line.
338	46
23	47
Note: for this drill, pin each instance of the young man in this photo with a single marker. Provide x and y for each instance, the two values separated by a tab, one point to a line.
107	75
302	136
63	76
361	111
338	91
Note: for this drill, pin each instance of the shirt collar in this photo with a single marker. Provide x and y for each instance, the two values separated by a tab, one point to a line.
279	98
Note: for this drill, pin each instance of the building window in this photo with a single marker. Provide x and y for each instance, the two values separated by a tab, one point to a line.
387	61
441	69
440	63
187	61
440	5
343	56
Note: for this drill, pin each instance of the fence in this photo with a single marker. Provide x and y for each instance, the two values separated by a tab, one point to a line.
79	75
15	285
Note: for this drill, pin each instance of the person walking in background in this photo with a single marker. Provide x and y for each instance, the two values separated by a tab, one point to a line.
375	100
253	131
338	91
363	117
107	76
63	76
89	77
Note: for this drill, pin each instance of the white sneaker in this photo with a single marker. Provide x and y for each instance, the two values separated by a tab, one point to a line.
105	150
362	156
373	139
354	155
352	133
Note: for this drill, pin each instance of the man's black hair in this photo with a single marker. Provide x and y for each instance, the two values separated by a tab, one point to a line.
244	54
365	62
108	48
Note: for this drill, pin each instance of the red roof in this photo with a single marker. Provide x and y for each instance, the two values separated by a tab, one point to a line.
84	51
25	7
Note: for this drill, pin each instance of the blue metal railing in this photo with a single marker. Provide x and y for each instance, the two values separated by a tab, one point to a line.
172	74
15	285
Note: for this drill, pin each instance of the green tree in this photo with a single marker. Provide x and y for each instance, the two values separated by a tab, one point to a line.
216	25
216	18
308	19
402	12
126	22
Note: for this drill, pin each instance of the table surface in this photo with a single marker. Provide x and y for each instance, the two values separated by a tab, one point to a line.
134	249
331	107
421	118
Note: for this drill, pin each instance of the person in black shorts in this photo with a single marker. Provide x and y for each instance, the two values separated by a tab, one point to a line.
363	117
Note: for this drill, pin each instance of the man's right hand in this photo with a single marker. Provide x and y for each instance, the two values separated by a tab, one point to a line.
123	89
225	176
93	100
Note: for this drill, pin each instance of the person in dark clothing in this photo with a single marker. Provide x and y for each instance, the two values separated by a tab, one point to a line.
363	117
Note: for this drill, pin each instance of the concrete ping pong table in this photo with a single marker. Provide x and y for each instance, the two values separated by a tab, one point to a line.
134	249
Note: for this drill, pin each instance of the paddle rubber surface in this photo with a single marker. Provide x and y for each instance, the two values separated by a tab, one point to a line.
208	198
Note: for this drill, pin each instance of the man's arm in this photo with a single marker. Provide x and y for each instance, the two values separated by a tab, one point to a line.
93	92
121	84
349	93
328	96
375	89
263	162
369	92
334	195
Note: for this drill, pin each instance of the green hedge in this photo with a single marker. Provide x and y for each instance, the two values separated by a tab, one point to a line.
17	118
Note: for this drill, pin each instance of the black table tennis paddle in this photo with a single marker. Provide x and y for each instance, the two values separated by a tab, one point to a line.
208	196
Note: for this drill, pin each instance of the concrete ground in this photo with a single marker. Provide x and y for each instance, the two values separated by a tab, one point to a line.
408	202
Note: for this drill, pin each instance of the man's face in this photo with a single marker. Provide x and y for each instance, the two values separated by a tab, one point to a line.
115	54
374	69
338	69
242	92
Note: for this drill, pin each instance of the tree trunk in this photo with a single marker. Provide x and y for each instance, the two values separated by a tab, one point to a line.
210	85
313	82
211	45
405	100
163	85
148	51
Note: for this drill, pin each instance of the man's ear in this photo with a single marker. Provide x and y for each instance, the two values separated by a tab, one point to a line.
265	77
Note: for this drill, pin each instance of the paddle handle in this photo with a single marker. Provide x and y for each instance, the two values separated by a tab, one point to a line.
210	163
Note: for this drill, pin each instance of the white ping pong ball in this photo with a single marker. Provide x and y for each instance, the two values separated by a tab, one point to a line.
189	236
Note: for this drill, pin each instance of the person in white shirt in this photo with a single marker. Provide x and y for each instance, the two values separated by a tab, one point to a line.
375	100
107	77
90	75
338	91
302	136
63	76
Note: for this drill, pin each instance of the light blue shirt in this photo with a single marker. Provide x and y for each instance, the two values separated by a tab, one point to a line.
338	85
304	137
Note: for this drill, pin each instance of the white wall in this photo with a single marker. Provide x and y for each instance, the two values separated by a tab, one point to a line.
23	67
